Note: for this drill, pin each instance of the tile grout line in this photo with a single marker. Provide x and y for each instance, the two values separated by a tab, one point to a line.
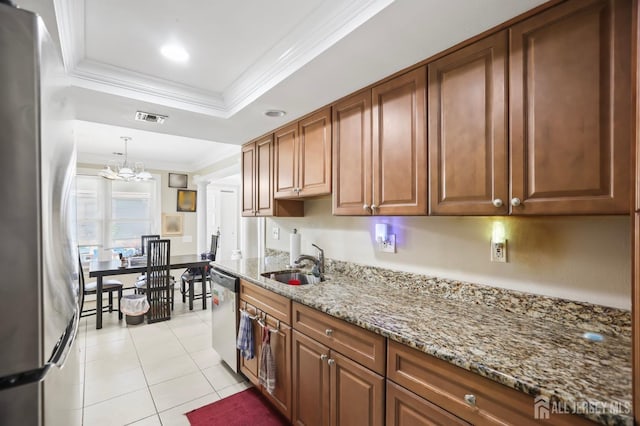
144	374
196	318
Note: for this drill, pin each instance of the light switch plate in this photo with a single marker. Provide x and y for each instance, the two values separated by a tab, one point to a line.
275	233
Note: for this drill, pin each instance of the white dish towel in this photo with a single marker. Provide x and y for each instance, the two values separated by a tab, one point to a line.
267	374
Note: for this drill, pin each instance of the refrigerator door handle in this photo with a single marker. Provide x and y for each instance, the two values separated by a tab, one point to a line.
58	357
62	348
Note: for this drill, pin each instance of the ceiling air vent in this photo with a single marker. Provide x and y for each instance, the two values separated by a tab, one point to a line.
150	117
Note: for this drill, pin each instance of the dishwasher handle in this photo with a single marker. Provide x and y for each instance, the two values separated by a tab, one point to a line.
225	280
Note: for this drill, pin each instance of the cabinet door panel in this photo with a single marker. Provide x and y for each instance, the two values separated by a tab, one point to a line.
468	129
281	350
357	394
400	145
570	109
352	155
405	408
264	176
310	382
285	161
314	145
248	179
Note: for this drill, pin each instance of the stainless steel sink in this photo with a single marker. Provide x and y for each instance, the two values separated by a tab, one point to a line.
290	276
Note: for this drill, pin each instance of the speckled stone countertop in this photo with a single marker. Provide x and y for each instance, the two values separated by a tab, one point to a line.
530	343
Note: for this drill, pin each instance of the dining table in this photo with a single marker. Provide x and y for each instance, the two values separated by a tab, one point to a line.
99	269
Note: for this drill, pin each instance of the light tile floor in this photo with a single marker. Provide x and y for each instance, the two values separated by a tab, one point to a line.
151	374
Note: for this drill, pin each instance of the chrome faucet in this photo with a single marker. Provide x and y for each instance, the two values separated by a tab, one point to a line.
318	262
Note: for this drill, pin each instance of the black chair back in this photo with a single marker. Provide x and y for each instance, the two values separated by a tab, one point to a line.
214	246
159	283
144	239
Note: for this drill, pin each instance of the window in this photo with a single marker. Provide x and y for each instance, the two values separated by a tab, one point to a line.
112	215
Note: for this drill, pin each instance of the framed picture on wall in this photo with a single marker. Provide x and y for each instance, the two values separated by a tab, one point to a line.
186	200
177	180
171	224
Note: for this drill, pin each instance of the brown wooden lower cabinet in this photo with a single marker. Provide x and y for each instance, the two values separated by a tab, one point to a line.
310	381
405	408
331	389
280	342
281	351
249	367
467	395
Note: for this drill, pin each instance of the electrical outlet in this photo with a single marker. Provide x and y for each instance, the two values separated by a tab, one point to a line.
499	252
275	233
389	246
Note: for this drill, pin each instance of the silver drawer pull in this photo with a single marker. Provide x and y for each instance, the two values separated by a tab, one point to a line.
328	332
331	361
323	357
515	202
497	202
470	399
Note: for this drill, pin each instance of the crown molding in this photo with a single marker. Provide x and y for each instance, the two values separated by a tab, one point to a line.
202	162
321	29
70	20
118	81
101	161
311	37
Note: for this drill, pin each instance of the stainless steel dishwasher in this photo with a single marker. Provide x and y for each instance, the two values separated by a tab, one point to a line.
224	311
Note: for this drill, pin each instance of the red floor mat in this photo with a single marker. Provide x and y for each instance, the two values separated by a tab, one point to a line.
246	408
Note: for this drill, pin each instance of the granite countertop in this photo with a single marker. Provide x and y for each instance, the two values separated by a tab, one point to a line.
535	344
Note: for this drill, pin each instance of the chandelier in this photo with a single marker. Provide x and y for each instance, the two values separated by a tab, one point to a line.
122	170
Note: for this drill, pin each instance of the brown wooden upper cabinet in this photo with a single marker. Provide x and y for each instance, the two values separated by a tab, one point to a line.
303	157
257	182
570	109
380	149
468	163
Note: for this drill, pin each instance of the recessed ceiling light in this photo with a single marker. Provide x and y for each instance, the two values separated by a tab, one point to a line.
274	113
175	52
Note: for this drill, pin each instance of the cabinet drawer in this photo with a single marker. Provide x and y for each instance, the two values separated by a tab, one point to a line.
267	301
406	408
446	385
360	345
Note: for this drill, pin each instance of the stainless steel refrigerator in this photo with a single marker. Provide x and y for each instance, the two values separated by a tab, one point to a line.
39	310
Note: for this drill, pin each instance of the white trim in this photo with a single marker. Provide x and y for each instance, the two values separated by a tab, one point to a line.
106	78
320	30
311	37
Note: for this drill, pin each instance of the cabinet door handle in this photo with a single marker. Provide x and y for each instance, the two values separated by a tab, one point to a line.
323	357
497	202
470	399
515	202
373	207
331	361
365	207
328	332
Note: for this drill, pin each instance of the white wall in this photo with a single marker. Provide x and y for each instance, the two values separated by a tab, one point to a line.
579	258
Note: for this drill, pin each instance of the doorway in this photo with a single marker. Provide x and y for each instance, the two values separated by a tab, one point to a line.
222	216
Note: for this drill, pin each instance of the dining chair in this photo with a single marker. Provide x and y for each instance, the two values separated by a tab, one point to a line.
108	285
193	275
144	240
158	284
